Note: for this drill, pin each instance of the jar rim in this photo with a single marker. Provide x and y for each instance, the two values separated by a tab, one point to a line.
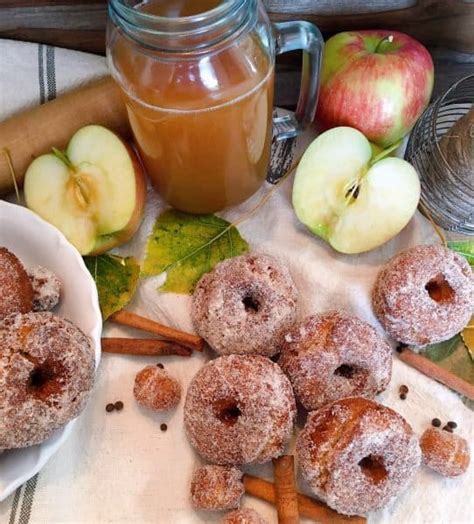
184	34
129	12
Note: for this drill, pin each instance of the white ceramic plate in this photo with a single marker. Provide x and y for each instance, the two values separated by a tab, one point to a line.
36	242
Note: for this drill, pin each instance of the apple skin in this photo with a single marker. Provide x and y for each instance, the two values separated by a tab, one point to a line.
108	242
382	93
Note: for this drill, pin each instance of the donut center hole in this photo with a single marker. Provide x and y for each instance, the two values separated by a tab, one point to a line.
439	290
345	370
227	411
40	376
373	468
43	381
251	304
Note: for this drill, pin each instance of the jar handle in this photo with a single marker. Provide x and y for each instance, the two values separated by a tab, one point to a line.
307	37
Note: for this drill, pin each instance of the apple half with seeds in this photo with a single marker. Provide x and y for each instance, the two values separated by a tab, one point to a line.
94	192
350	198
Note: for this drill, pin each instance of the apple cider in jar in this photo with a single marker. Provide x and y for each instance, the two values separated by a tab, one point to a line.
197	78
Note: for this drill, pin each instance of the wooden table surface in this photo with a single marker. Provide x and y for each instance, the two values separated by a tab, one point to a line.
445	26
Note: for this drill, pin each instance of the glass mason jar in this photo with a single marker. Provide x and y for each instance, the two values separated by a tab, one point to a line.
197	78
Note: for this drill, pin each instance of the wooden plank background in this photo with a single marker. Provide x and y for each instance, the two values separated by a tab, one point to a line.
445	26
81	24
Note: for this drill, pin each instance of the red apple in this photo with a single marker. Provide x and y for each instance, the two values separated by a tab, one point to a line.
376	81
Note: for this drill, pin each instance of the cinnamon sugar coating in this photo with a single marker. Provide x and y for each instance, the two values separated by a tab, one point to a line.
46	288
335	355
245	305
16	292
357	455
239	409
156	389
216	488
446	453
424	295
243	516
46	375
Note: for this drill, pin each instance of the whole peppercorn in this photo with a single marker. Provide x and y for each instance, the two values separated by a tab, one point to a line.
436	422
109	408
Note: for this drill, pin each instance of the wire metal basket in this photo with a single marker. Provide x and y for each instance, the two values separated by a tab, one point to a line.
446	191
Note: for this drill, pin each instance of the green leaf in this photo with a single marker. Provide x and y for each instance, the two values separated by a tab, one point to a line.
442	350
187	246
464	248
468	402
452	355
467	335
116	279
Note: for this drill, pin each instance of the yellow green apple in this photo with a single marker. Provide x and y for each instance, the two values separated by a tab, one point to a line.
94	192
352	199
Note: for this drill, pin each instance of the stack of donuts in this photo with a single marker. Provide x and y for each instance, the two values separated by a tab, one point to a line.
354	453
46	362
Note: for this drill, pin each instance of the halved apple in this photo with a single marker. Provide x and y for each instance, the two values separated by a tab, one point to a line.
350	198
94	192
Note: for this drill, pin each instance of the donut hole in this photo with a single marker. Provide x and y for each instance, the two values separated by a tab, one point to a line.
346	371
43	381
373	468
227	411
439	289
251	304
40	376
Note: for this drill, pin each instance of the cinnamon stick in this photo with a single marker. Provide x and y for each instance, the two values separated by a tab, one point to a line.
432	370
126	318
143	346
286	496
308	507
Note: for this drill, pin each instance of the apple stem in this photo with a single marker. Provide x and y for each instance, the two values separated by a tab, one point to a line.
388	38
61	155
385	153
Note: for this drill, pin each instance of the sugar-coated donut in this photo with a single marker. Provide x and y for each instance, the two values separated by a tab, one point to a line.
156	389
216	488
424	295
446	453
243	516
245	305
46	288
46	374
334	355
239	409
357	455
16	292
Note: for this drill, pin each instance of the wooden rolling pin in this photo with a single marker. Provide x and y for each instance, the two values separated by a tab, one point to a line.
33	132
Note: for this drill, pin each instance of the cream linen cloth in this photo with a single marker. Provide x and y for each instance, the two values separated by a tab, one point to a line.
120	467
